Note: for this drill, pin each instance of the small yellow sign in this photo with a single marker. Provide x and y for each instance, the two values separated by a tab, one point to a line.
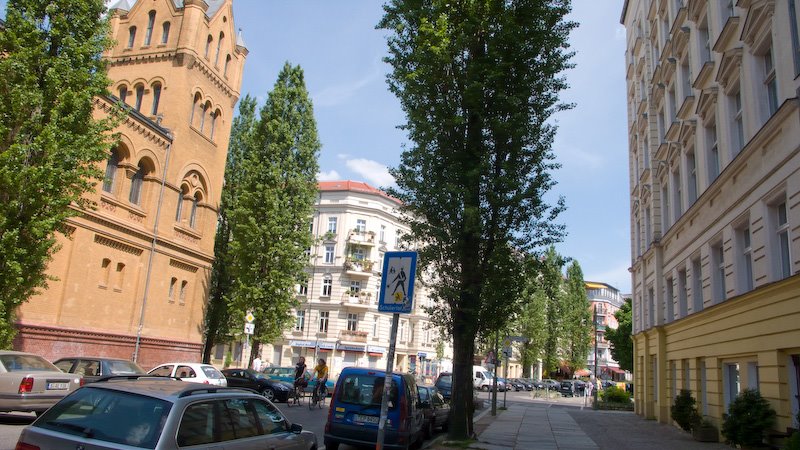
249	317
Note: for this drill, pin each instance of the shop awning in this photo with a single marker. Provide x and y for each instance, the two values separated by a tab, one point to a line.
583	373
350	348
616	370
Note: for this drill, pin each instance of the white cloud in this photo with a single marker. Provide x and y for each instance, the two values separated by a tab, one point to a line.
373	172
338	94
331	175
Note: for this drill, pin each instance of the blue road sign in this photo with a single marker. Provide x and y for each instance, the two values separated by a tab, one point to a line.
397	283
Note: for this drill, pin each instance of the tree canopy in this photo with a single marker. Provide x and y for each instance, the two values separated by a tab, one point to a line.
478	81
51	71
620	338
270	212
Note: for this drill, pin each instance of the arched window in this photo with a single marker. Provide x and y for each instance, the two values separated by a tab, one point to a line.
165	32
106	268
193	216
184	285
196	107
156	97
227	63
131	36
203	114
179	209
137	181
219	46
123	93
172	284
139	96
151	21
208	45
111	172
214	118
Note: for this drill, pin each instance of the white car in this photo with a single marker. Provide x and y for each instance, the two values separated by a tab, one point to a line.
192	372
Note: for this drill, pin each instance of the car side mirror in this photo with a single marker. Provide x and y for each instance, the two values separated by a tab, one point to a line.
296	428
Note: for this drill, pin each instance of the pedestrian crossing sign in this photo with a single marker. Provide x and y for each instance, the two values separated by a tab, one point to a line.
397	282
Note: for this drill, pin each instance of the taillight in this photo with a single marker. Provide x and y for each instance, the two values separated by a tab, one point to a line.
83	381
23	446
206	382
26	385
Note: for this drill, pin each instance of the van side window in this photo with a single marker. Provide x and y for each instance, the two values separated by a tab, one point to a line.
479	375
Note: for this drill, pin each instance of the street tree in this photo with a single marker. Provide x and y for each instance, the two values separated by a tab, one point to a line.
478	81
217	321
51	146
577	328
550	281
620	338
531	323
271	211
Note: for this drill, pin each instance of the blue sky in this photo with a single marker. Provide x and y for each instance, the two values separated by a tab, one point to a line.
340	51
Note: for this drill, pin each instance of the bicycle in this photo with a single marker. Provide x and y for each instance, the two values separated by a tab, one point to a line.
296	396
317	397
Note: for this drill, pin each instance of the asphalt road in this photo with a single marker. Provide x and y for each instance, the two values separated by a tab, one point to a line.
11	424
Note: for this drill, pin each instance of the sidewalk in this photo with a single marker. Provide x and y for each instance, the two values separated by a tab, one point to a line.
550	427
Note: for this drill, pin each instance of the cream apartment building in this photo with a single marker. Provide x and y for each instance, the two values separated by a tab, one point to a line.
605	301
354	225
714	135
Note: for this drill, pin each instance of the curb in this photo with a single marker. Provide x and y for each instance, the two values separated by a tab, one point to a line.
439	439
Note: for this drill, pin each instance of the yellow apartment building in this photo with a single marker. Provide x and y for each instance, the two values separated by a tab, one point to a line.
714	145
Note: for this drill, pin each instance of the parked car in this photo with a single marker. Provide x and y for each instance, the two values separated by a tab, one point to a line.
504	385
191	372
547	383
273	390
159	413
526	383
514	384
434	408
567	388
444	383
92	368
30	383
287	374
356	408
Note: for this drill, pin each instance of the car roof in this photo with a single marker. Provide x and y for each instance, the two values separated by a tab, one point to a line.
366	370
14	352
184	364
100	358
161	387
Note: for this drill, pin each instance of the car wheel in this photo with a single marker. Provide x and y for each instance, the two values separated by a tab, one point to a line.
269	394
485	388
331	445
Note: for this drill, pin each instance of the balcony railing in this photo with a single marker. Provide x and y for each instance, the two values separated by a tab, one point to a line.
358	266
353	336
363	299
361	237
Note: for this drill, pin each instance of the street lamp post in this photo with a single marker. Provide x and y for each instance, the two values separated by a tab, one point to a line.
596	380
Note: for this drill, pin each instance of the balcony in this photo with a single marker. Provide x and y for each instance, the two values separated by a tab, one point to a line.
359	237
357	300
353	336
358	267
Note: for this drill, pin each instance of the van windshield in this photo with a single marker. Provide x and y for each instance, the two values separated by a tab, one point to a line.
365	390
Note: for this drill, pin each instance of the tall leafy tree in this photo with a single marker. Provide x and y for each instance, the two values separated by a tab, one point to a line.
577	319
620	338
272	208
217	321
531	323
478	81
50	144
551	286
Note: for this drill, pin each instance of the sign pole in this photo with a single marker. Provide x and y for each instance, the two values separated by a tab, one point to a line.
505	375
387	383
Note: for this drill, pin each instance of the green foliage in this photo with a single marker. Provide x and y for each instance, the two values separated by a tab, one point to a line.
621	341
532	321
217	323
749	417
550	282
478	81
614	394
684	410
50	144
576	337
270	211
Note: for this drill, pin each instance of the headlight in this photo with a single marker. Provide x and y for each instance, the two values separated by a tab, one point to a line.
282	387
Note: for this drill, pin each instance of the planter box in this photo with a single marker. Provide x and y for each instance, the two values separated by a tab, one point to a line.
705	434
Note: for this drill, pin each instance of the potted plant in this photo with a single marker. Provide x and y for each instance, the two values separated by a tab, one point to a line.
684	412
704	430
749	417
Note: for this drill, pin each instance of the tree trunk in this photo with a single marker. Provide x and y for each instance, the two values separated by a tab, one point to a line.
208	346
461	426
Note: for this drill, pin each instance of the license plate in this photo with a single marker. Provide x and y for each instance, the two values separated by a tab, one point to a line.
57	386
360	418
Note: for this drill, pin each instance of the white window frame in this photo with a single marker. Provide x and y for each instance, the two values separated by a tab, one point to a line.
770	81
352	322
330	254
783	253
300	320
361	225
327	286
332	222
324	319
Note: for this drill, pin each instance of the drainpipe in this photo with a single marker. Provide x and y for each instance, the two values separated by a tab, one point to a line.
152	253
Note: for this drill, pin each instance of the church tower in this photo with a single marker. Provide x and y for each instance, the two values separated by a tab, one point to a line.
133	277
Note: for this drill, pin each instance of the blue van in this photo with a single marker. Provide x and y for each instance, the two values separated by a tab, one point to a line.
356	408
